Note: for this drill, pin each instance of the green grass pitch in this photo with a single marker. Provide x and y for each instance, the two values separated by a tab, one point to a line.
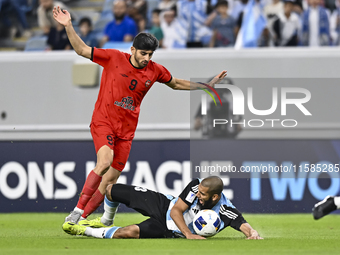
41	233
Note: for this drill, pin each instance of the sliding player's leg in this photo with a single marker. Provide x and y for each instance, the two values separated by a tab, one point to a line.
149	203
150	228
122	195
131	231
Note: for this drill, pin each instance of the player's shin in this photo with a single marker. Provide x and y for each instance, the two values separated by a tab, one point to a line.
95	201
101	232
91	185
110	209
109	233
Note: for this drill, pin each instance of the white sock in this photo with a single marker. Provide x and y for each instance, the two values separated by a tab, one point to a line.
96	232
110	209
337	202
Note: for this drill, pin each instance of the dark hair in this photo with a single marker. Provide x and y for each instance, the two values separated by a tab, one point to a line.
289	1
145	41
158	11
221	3
85	20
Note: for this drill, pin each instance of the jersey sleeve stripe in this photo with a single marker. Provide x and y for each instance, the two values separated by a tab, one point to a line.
229	214
195	188
169	80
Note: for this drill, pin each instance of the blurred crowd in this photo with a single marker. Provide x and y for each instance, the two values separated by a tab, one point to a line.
183	23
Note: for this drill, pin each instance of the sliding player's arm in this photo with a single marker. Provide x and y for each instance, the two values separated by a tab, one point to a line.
234	218
180	84
64	18
249	232
177	215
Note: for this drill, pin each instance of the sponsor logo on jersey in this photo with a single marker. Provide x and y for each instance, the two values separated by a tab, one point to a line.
126	103
190	197
195	210
147	83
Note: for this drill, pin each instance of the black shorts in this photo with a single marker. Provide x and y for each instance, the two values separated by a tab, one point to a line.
149	203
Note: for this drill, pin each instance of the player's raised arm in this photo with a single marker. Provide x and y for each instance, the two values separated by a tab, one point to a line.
249	232
180	84
64	18
177	215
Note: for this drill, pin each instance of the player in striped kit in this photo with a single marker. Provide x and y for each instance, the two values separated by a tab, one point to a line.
169	217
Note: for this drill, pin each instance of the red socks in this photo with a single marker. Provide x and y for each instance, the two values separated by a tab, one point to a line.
93	204
91	185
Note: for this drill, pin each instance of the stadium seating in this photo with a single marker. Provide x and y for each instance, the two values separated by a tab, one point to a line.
117	45
37	43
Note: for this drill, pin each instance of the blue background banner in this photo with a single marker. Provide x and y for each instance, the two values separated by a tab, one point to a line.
48	176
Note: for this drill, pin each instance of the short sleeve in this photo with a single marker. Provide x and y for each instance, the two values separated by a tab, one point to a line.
164	76
132	28
159	34
233	22
103	56
107	29
214	23
231	217
188	195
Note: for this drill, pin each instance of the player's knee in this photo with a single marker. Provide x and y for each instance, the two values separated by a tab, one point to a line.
103	165
108	192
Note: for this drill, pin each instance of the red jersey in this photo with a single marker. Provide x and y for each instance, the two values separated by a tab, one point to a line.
122	89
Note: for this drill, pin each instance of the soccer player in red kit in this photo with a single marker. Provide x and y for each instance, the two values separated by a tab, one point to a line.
125	81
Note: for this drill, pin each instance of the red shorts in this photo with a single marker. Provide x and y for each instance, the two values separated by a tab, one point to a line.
104	135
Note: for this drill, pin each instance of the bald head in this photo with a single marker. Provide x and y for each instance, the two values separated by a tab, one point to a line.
214	183
119	9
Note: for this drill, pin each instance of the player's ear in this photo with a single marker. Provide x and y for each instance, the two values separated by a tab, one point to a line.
215	197
133	50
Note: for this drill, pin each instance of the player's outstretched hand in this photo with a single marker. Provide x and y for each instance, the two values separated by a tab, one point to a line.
218	78
62	16
254	235
193	236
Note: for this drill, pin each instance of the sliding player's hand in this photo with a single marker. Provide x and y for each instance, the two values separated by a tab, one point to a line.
218	78
254	235
193	236
62	16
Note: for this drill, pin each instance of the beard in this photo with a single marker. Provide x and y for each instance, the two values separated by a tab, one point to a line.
207	204
140	63
119	17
